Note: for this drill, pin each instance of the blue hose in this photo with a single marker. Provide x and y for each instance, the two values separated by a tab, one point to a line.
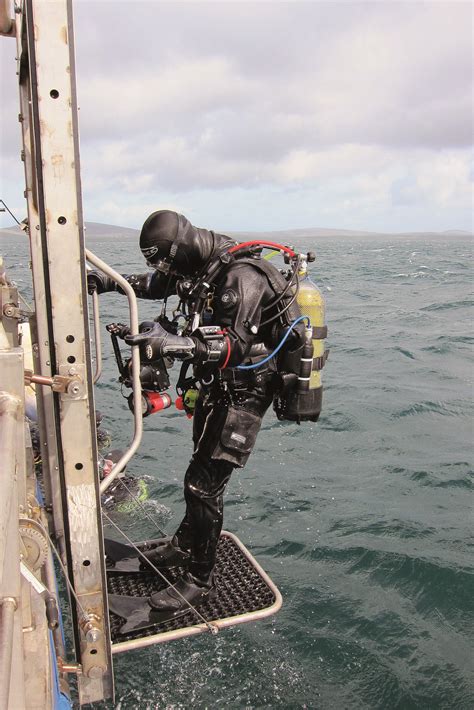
278	347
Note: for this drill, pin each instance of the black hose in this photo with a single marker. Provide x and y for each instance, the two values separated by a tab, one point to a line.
288	305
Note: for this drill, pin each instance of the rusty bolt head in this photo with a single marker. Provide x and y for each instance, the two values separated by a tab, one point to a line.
9	310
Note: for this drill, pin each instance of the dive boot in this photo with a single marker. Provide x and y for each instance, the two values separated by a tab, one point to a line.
162	552
188	591
165	555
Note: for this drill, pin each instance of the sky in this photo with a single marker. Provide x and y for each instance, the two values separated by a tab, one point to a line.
268	115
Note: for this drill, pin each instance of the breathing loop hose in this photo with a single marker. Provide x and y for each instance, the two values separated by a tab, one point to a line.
278	347
262	243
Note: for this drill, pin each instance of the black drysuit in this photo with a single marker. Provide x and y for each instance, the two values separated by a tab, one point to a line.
232	402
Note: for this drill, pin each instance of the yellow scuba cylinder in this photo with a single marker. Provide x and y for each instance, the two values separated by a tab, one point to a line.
312	304
301	393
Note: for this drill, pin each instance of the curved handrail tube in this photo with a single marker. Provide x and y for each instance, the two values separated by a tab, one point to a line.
97	338
137	407
7	25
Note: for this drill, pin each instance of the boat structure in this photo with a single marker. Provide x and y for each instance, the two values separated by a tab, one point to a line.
52	507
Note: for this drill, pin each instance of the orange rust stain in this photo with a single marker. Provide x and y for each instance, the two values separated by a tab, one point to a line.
57	162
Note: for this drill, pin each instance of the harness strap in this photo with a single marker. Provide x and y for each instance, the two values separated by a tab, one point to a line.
184	383
320	332
319	362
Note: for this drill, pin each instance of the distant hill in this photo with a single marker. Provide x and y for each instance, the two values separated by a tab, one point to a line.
457	233
98	230
92	229
315	232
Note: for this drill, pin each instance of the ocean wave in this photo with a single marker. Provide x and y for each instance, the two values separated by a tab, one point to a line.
339	421
431	582
397	528
406	353
430	407
433	480
447	306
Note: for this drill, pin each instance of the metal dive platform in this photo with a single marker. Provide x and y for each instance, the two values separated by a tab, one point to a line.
244	593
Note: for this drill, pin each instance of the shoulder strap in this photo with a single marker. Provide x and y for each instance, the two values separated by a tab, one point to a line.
276	279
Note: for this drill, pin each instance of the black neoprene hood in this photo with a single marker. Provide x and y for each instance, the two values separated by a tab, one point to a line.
169	236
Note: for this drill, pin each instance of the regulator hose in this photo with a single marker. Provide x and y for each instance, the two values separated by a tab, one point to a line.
278	347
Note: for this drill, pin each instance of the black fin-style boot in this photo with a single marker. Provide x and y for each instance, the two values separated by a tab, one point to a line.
188	590
166	554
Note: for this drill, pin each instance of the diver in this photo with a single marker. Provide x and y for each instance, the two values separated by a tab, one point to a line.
126	492
237	311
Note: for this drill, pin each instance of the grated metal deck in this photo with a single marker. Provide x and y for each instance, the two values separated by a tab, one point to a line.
244	593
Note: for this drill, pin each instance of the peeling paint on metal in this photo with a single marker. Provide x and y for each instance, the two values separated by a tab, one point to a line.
82	515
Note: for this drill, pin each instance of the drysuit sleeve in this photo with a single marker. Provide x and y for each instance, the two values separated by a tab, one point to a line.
152	285
238	303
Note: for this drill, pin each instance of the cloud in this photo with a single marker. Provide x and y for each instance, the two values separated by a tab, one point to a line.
352	102
238	90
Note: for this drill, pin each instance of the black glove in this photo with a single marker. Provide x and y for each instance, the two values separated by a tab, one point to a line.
99	282
155	342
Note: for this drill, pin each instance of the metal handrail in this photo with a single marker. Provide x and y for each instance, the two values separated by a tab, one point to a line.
8	607
137	406
97	337
7	25
9	416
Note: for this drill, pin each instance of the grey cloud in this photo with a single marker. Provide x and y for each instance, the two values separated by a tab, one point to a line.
268	36
298	65
188	95
10	128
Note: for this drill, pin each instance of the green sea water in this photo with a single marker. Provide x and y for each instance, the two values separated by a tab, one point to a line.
363	520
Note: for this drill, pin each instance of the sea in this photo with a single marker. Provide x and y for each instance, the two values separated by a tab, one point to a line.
363	520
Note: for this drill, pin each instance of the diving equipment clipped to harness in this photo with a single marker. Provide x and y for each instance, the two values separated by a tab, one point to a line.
154	376
301	394
298	353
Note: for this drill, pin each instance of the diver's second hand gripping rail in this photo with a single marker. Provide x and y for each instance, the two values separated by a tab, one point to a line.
132	302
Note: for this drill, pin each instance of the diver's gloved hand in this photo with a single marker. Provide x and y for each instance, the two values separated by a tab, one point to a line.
97	282
155	342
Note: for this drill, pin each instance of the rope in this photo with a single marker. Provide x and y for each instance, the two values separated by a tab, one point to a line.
212	627
25	302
